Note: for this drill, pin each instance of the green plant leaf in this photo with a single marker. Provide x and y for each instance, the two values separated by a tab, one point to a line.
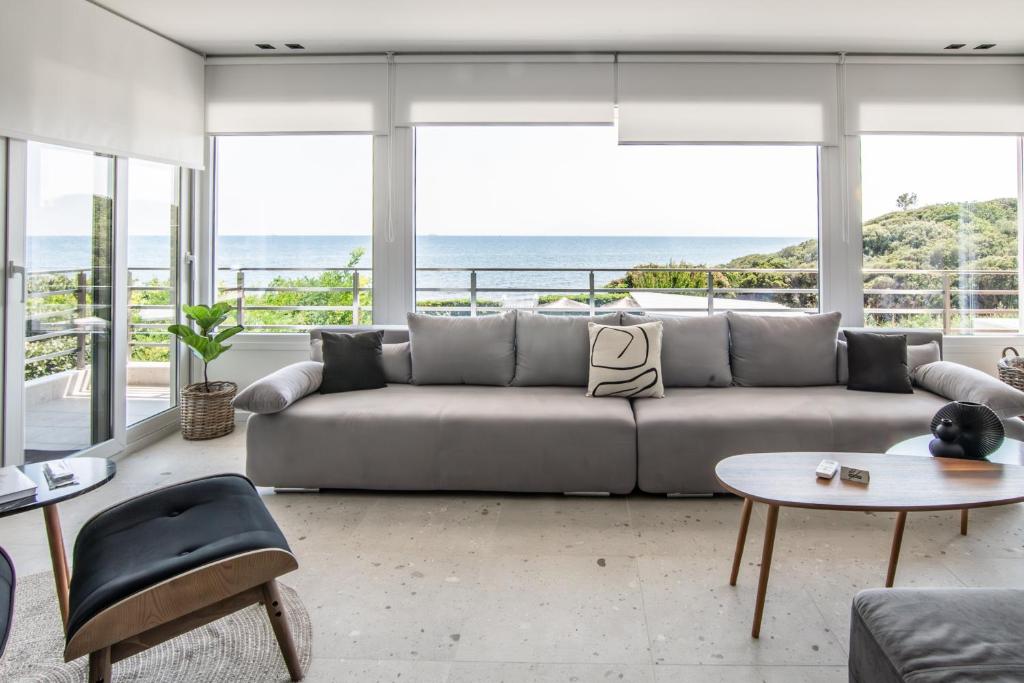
228	333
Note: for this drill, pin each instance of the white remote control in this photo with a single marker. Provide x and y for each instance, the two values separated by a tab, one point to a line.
827	469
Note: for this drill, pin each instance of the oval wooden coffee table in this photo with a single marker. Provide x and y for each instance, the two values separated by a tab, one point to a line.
898	483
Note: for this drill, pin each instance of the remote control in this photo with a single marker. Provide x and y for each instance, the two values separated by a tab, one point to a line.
827	469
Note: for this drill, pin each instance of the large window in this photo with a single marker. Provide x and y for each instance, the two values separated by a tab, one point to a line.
294	217
940	232
68	301
563	219
153	226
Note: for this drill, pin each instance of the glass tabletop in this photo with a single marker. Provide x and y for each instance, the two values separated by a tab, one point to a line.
1010	452
90	473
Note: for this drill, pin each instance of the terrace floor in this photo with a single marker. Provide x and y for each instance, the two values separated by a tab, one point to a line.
459	588
59	426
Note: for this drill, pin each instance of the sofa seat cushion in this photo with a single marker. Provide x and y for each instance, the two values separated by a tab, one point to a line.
166	533
681	437
458	437
943	635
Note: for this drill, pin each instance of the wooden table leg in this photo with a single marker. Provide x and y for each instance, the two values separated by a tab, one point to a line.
741	540
894	553
58	558
766	567
963	522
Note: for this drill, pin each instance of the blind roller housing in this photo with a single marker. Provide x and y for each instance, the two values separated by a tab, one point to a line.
74	74
732	102
934	98
299	97
506	92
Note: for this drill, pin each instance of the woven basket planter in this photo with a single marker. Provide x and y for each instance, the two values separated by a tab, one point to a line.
1011	368
207	415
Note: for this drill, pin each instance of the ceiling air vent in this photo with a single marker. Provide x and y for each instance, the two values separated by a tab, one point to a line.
955	46
295	46
265	46
985	46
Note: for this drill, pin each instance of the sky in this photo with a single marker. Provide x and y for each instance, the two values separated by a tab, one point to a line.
525	180
61	183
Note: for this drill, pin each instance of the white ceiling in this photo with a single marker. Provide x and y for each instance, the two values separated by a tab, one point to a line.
221	27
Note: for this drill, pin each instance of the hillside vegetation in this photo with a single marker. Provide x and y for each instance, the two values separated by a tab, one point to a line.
951	236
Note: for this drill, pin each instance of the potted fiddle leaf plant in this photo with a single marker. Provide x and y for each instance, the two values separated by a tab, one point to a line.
206	410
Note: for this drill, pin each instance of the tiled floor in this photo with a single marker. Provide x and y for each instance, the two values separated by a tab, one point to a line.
470	588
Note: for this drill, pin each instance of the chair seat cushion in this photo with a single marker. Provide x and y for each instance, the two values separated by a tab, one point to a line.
940	635
157	536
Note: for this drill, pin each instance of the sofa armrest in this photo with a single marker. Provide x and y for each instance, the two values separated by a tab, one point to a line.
280	389
961	383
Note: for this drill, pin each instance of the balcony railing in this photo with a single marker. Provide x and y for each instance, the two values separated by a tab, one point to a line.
63	319
945	303
952	300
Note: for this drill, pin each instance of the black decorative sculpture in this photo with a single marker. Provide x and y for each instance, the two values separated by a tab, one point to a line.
965	430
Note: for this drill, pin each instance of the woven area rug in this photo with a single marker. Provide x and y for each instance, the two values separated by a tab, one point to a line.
239	647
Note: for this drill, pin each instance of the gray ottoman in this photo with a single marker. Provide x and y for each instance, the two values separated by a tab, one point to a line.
937	635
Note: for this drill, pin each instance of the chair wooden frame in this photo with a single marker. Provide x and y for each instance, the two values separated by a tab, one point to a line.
185	602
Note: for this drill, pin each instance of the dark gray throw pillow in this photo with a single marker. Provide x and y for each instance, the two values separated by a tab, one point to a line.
878	362
352	361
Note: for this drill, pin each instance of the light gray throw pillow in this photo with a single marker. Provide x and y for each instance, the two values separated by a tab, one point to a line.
396	359
694	350
552	350
783	350
917	355
462	350
961	383
625	362
280	389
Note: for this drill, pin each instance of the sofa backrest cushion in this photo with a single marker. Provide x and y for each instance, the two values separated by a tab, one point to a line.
694	350
552	350
783	350
463	350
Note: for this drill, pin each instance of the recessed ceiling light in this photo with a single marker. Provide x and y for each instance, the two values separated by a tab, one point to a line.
955	46
985	46
295	46
265	46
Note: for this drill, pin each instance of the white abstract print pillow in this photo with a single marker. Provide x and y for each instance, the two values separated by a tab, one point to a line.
626	361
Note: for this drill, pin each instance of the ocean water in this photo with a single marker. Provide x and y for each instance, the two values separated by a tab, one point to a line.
433	251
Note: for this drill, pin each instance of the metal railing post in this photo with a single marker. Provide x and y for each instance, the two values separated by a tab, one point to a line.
80	299
472	293
240	297
355	297
947	303
592	298
711	293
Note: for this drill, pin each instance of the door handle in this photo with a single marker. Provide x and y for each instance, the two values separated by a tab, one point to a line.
14	269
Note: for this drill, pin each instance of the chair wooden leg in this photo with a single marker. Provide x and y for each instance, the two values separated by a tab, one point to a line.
279	621
99	666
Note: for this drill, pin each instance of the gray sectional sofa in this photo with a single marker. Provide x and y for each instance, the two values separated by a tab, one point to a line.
517	419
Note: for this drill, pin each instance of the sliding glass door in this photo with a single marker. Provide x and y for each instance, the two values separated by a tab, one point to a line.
152	229
66	301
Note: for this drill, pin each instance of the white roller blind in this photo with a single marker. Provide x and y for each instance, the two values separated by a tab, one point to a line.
682	101
953	97
255	96
72	73
504	90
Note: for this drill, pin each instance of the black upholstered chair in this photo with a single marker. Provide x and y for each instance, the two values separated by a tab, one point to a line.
6	598
168	561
